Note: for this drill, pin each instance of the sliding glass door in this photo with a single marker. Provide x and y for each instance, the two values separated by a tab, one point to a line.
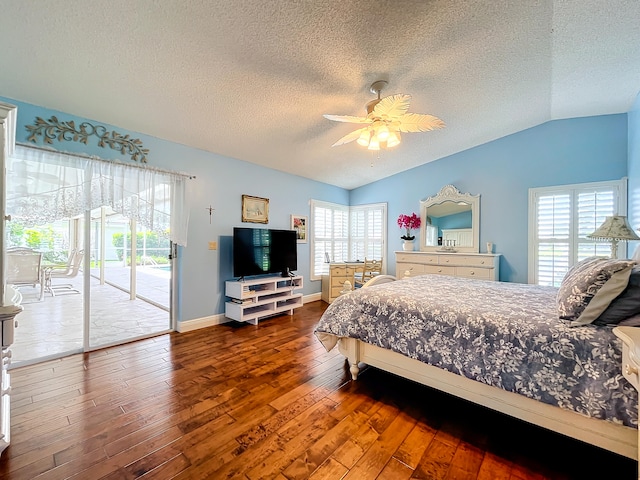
102	233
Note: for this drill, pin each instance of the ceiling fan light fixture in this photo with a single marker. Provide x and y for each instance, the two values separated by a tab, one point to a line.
382	133
394	139
386	118
364	138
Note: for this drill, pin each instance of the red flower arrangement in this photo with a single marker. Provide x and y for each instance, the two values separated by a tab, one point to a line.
409	222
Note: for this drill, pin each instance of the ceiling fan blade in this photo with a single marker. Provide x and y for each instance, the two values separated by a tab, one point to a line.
416	122
392	106
350	137
347	118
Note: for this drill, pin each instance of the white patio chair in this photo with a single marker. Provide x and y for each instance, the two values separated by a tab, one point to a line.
24	268
67	272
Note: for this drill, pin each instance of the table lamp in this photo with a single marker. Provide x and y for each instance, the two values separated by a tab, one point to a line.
614	229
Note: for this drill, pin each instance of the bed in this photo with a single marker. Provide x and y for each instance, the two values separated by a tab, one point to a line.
504	346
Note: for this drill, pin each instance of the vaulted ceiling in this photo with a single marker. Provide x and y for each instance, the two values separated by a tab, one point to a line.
251	79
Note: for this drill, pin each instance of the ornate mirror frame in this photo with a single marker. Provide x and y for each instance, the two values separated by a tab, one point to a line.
449	193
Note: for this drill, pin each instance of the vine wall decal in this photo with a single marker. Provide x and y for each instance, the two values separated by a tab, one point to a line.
53	129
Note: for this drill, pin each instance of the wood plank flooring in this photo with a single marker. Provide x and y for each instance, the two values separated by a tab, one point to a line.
262	402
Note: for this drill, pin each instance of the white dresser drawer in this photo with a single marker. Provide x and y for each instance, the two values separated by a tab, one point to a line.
474	261
342	271
422	258
472	272
339	281
335	291
412	268
440	269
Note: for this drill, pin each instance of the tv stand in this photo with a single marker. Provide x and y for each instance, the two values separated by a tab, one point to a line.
254	299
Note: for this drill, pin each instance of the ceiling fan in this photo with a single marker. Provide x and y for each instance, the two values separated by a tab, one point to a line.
386	118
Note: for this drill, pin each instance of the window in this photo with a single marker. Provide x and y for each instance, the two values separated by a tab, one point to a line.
560	218
340	233
367	231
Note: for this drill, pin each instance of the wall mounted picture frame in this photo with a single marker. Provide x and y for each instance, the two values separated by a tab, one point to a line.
255	209
300	224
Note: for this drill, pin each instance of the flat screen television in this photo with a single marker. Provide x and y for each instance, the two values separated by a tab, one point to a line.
259	251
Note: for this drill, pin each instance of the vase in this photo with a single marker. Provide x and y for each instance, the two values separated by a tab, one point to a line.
407	246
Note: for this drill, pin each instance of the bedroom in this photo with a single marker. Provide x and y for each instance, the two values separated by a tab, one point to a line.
571	150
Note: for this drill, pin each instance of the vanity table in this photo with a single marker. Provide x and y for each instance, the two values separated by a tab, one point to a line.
449	239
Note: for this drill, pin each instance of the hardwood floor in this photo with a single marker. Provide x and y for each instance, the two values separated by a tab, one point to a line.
266	401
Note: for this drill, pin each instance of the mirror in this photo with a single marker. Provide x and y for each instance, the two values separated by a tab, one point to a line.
450	222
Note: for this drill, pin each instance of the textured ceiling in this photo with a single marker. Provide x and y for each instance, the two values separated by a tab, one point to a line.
251	79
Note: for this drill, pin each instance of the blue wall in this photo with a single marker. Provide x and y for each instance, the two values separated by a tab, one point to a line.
559	152
633	170
220	182
458	220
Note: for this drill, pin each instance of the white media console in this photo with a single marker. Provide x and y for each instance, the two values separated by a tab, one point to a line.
255	299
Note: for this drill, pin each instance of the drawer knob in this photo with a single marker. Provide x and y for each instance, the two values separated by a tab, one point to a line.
482	262
629	370
473	273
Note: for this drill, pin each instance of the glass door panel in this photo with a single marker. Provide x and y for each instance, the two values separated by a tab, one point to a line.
130	281
51	324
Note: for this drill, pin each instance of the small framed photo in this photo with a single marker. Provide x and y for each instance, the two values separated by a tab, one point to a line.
300	224
255	209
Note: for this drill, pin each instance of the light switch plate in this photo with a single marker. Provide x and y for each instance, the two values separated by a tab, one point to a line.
213	245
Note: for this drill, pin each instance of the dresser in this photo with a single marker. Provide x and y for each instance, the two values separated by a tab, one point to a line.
333	283
485	266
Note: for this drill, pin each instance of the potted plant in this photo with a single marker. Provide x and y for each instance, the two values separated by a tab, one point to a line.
408	222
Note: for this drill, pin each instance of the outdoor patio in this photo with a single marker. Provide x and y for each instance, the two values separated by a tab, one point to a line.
54	325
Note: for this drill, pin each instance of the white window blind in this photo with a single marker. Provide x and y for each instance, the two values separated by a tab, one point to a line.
560	218
367	231
340	233
329	237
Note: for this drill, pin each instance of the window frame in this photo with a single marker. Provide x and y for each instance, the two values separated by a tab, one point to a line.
619	188
335	207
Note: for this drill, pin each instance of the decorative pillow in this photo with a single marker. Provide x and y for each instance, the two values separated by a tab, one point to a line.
633	321
595	279
626	305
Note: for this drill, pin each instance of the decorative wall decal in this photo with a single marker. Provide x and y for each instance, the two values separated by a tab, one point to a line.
53	129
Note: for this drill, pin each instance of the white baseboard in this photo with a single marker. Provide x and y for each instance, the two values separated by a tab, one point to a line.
219	319
197	323
314	297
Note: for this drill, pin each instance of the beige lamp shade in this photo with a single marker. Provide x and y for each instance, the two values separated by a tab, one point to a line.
614	229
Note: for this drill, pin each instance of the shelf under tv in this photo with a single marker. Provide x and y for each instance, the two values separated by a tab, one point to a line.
253	299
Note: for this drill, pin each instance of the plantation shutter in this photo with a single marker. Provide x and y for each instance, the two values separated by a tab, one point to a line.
357	235
344	233
329	236
562	219
367	231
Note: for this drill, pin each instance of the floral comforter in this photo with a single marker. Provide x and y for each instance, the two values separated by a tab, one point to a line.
507	335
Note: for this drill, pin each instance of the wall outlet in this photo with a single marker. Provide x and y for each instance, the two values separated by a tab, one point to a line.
213	245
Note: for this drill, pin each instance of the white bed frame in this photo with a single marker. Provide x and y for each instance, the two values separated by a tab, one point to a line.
601	433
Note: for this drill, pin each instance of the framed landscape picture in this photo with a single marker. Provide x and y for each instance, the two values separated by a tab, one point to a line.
255	209
300	224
